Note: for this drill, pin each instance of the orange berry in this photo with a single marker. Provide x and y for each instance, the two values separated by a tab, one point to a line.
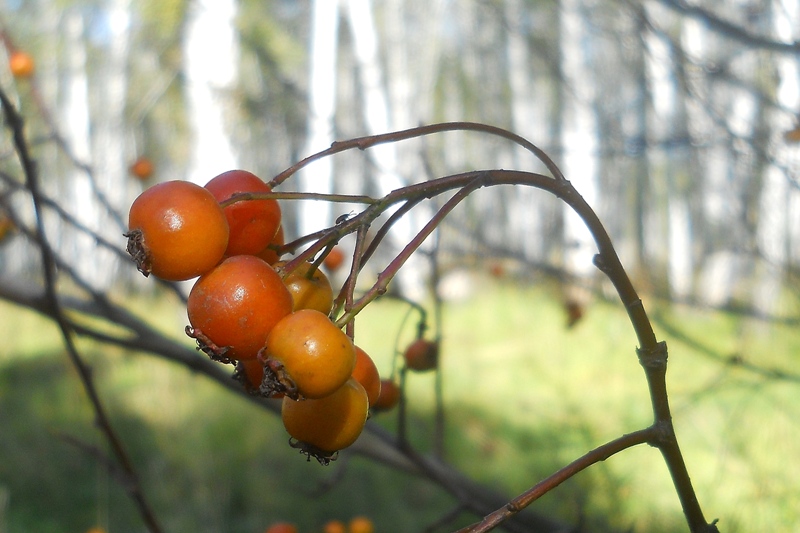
334	526
314	356
142	168
366	373
21	64
334	259
327	424
269	254
422	355
310	290
388	397
177	231
281	527
361	524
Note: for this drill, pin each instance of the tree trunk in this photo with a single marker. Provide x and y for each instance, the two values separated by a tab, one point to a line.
210	56
383	158
109	136
529	118
773	233
75	127
318	177
578	136
667	159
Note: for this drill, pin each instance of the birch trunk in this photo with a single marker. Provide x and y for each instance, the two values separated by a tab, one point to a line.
109	126
665	163
529	118
578	134
382	157
318	177
210	56
75	127
774	233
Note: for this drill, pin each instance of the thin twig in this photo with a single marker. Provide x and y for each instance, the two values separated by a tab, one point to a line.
601	453
15	123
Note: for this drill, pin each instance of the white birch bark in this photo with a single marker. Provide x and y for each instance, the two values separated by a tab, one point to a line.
776	194
578	134
384	157
529	104
75	127
667	121
109	127
210	62
716	273
318	177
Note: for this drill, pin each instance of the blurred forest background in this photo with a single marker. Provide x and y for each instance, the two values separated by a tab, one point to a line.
678	121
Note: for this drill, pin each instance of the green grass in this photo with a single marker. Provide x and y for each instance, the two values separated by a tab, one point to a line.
524	396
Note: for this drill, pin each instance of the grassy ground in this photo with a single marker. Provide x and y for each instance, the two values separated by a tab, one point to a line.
523	395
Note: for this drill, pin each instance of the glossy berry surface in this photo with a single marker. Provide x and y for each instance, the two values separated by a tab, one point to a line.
366	373
176	231
313	354
330	423
309	287
237	304
253	223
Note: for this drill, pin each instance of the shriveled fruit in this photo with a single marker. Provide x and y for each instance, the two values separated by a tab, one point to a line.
233	308
422	355
21	64
309	355
326	425
253	223
176	231
389	396
366	373
309	286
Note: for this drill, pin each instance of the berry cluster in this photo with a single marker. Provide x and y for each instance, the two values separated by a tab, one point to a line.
246	308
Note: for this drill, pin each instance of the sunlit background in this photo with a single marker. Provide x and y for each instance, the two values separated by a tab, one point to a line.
678	122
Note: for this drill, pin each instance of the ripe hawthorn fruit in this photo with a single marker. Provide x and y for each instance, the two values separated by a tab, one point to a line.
366	373
389	396
253	223
361	524
422	355
21	64
323	426
334	260
334	526
176	231
233	308
270	254
310	289
142	168
308	355
282	527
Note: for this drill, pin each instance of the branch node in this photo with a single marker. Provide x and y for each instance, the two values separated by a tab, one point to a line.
663	434
655	358
600	263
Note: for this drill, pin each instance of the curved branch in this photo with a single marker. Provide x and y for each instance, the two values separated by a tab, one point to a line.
601	453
